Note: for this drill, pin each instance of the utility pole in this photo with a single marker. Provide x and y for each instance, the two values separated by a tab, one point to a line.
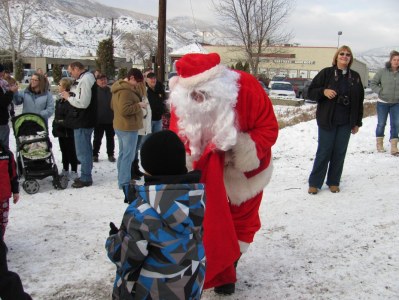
160	71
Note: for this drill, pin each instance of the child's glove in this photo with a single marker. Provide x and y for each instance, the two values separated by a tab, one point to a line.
114	229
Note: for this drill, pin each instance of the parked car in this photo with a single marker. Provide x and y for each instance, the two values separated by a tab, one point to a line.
264	87
305	90
298	84
282	90
276	78
27	75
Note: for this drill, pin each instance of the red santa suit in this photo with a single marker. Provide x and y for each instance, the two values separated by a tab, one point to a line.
228	125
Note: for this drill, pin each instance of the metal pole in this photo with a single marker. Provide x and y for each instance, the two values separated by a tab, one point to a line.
160	71
339	34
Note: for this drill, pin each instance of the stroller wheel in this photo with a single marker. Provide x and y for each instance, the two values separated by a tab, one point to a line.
31	186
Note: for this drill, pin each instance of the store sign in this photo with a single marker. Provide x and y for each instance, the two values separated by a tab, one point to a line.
290	61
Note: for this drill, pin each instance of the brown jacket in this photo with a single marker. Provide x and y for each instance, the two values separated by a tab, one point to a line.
128	115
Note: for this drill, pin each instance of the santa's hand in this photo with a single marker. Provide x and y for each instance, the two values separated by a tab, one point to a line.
245	156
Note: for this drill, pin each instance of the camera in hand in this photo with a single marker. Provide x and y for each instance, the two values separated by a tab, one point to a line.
343	100
71	94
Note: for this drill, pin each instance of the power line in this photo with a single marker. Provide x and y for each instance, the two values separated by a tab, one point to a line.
192	12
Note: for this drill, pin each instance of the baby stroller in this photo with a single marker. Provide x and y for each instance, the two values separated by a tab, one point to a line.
34	157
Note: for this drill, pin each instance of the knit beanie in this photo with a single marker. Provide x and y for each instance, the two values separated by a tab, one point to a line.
163	153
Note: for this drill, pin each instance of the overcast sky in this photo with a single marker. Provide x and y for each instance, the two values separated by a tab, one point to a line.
365	24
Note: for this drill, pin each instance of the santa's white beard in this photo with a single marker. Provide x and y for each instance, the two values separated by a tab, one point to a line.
210	121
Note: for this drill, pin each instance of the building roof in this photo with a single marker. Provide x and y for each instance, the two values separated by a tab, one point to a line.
191	48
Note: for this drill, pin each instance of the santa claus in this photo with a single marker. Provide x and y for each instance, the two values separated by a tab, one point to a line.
228	125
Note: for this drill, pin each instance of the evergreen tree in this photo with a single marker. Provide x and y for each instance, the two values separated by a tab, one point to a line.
57	73
105	57
122	73
239	66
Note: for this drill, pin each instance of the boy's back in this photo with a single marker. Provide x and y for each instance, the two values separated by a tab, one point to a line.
158	250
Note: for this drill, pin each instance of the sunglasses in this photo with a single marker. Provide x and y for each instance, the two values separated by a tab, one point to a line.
345	54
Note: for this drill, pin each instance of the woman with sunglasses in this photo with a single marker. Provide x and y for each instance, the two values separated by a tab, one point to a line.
385	83
339	93
36	98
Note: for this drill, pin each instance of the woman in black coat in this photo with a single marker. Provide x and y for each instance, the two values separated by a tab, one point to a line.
339	93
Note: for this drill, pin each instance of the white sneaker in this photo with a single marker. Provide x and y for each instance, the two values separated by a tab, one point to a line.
73	175
64	173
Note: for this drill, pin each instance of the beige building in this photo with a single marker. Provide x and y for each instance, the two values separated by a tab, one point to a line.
292	61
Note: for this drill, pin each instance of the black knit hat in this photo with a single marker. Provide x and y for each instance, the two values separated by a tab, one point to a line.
163	153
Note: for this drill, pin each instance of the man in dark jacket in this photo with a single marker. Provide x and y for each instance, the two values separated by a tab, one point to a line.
156	97
6	95
105	117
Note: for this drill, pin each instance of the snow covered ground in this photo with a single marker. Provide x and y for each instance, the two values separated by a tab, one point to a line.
324	246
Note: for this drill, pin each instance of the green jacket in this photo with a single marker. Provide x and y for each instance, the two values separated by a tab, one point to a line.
385	83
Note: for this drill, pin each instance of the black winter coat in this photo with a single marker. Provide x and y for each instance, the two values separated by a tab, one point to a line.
5	101
326	108
156	97
63	119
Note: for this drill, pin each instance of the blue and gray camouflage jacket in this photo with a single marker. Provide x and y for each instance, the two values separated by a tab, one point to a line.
158	250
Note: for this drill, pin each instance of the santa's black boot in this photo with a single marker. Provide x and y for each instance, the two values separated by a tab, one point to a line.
228	288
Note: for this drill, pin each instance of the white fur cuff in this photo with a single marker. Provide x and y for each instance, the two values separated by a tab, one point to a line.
245	157
243	246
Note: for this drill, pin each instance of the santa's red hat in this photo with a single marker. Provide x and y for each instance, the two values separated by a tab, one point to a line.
196	68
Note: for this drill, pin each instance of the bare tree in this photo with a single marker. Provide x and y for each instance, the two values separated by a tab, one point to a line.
17	26
139	45
257	24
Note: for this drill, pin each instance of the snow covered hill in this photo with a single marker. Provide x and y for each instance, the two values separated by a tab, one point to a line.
74	28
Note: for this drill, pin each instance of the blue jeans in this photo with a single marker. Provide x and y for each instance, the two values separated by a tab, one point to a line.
156	126
127	150
140	141
330	155
84	152
383	109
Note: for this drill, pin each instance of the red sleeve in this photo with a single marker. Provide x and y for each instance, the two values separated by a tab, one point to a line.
256	115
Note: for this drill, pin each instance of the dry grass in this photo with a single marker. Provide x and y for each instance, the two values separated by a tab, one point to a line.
289	116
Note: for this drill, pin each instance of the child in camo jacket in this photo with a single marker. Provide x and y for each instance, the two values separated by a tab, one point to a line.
158	250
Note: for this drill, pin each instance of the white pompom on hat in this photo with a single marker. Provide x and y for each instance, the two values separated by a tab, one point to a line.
196	68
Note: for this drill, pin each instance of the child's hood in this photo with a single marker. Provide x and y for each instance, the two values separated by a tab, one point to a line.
180	206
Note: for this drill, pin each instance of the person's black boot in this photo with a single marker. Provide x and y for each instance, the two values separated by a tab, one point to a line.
136	173
228	288
225	289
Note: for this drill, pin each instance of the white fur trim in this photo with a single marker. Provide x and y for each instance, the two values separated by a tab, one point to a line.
173	81
239	188
245	157
243	246
189	162
192	81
